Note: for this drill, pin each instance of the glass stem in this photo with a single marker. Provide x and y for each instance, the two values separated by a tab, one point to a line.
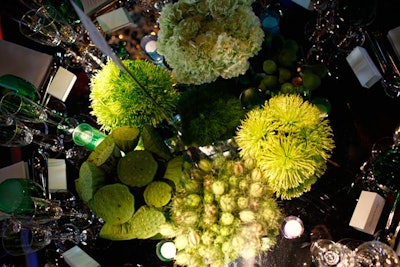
392	211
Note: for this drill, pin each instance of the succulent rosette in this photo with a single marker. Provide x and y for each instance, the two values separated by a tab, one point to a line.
290	140
206	39
222	209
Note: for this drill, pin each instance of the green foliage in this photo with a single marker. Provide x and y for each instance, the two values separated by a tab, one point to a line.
290	141
117	100
209	114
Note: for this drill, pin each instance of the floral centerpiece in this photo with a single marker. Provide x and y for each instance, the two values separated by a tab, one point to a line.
291	142
222	209
202	40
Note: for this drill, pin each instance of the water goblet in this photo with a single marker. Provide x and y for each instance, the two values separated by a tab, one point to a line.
21	107
327	253
22	239
45	26
376	253
14	133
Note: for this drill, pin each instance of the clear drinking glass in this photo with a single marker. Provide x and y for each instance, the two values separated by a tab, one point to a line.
14	133
376	253
21	239
23	108
327	253
45	26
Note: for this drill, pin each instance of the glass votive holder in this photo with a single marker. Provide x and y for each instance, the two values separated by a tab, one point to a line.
292	227
166	250
87	136
270	21
149	45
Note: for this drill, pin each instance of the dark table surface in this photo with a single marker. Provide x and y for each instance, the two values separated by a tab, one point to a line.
359	118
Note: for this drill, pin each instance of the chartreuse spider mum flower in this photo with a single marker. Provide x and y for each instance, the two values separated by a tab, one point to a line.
290	141
117	100
202	40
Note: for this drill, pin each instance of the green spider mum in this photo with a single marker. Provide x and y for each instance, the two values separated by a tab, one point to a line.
290	141
117	100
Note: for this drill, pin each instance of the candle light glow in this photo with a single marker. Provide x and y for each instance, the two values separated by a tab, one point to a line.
292	227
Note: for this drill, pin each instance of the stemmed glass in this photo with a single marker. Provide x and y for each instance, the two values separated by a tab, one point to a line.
19	238
390	73
375	253
13	133
22	108
46	26
26	200
327	253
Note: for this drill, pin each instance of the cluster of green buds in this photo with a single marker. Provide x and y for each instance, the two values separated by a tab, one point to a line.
223	211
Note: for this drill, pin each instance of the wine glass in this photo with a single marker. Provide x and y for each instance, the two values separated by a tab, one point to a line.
25	200
376	253
327	253
14	133
18	106
22	239
46	26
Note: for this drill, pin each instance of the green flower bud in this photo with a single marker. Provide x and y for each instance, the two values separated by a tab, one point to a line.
218	187
227	203
205	165
243	203
226	218
181	241
193	200
256	189
247	216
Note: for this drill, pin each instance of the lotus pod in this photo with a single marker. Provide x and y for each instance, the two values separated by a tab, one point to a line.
137	168
106	155
126	137
117	232
91	178
146	222
114	203
173	171
157	194
153	142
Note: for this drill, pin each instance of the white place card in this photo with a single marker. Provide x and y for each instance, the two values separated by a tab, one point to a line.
367	212
57	173
307	4
114	20
76	257
62	83
394	39
363	67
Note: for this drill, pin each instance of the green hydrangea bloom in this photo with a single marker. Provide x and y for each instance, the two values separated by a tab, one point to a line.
206	39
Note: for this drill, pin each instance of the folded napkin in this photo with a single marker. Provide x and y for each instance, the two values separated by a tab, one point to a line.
24	62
